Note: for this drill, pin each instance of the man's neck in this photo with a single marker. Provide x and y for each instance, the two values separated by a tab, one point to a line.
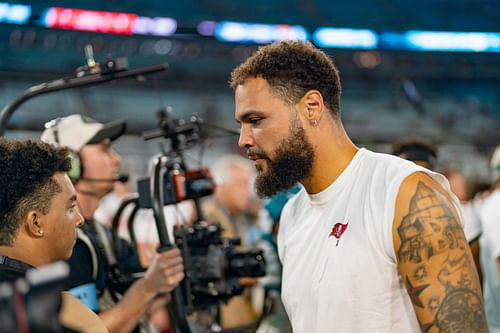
24	253
332	156
88	202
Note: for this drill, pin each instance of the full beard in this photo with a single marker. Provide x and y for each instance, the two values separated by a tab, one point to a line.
292	163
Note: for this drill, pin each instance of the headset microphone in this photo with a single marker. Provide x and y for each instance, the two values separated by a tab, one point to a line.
123	178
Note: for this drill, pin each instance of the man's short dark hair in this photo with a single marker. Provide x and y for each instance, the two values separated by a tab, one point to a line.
26	183
291	69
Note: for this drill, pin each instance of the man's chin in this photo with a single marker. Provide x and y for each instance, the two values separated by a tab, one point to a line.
259	168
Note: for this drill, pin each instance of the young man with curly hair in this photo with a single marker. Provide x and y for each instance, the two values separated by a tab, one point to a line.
93	278
371	243
39	217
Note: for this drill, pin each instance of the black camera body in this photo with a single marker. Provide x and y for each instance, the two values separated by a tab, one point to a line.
178	186
214	265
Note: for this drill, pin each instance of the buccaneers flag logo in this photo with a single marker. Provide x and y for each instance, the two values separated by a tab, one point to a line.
337	231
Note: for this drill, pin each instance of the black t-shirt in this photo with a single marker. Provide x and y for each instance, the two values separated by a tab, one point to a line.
11	269
81	265
82	282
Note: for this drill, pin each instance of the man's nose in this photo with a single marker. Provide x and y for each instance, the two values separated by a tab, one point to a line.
246	138
116	157
81	220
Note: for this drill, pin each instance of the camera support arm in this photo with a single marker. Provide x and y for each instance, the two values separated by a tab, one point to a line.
71	82
175	306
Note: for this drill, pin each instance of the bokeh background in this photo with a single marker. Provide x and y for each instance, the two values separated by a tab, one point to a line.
445	87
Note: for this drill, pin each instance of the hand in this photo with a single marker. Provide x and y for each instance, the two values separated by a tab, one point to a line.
248	281
165	271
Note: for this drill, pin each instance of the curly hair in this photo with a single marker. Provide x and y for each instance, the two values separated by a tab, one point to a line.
291	69
26	171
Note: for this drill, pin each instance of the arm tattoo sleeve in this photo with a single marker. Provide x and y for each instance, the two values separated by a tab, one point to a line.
438	270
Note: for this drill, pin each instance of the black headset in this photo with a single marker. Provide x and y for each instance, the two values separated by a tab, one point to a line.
76	171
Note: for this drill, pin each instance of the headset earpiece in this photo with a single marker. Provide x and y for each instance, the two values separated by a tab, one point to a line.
76	171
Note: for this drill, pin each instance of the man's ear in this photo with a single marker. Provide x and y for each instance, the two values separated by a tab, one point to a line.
314	106
34	224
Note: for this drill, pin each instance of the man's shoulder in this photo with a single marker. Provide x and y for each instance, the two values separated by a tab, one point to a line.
12	269
372	158
8	274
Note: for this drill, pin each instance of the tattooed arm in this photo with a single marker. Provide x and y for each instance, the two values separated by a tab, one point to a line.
434	259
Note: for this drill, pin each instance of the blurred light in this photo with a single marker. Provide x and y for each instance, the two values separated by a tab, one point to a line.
368	59
14	13
88	20
158	26
453	41
147	47
392	40
258	33
206	28
345	38
107	22
162	47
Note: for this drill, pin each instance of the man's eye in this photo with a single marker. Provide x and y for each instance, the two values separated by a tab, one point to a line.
255	120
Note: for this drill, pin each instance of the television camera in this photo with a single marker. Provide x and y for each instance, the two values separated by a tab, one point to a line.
213	265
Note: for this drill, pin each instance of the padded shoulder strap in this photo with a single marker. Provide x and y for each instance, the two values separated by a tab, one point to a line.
104	238
95	264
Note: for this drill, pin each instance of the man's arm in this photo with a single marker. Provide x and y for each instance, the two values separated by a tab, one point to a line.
434	259
163	275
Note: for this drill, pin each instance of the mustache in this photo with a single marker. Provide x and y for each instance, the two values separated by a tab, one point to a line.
256	154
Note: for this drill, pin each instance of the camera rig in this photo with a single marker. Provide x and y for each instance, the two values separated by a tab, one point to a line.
213	265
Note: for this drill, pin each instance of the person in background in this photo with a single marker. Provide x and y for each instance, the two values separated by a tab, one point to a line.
233	176
419	150
276	319
109	204
472	224
371	243
39	218
95	166
490	247
146	240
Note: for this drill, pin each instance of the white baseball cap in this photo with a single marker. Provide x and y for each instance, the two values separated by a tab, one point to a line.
75	131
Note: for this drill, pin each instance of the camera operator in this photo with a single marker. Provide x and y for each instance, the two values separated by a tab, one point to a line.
38	219
94	172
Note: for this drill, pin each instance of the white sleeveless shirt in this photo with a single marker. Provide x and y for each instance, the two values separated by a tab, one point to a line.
336	247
